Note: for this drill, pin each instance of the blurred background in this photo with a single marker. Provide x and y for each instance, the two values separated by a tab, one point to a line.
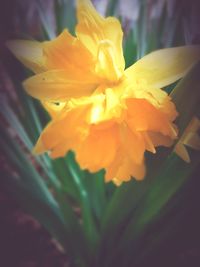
147	25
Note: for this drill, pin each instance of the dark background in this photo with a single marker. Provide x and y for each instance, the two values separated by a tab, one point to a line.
23	242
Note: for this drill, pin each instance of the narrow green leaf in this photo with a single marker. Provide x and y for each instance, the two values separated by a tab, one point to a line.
166	184
88	218
45	19
186	96
187	104
111	7
65	15
33	192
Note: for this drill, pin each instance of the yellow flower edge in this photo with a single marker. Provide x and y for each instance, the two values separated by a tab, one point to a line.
108	115
190	138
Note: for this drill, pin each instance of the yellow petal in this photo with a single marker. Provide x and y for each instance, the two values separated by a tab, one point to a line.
192	140
159	139
30	53
60	150
143	116
114	105
106	107
149	146
92	154
65	51
181	151
165	66
106	66
50	137
189	138
39	147
122	169
53	108
65	132
92	29
58	85
133	144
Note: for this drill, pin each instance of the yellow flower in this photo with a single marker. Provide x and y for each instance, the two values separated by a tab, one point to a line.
190	138
108	115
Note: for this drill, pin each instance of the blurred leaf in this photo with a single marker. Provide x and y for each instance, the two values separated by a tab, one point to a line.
186	96
33	194
65	15
130	48
111	7
45	20
158	182
142	30
87	216
173	175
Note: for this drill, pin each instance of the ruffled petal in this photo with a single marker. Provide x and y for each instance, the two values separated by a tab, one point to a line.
92	154
106	107
165	66
59	85
133	144
149	145
122	169
143	116
65	51
106	66
93	29
159	139
68	129
60	150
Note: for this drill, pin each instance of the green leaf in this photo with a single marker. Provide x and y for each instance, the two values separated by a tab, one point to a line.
172	177
111	7
33	193
90	228
142	30
65	15
118	214
130	48
46	20
186	96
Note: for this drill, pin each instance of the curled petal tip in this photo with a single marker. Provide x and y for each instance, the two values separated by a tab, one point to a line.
30	53
39	148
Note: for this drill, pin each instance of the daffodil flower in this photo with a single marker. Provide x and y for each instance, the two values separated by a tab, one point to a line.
108	115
